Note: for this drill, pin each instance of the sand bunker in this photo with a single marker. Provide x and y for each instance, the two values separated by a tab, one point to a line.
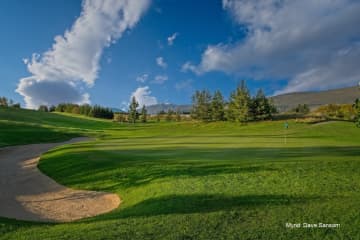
28	194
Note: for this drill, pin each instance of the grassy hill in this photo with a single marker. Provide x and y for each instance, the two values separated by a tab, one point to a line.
286	102
192	180
22	126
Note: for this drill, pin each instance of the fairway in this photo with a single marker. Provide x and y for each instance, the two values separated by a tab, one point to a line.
193	180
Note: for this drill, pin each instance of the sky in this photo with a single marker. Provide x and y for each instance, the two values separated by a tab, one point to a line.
161	51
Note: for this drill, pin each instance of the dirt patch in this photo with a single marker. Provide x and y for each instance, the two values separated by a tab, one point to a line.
28	194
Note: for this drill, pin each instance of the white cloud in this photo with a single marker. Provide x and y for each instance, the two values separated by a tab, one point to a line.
44	90
161	62
184	85
188	66
143	96
25	60
298	40
160	79
172	38
73	59
143	78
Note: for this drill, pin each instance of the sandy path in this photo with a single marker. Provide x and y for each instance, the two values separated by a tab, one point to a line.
28	194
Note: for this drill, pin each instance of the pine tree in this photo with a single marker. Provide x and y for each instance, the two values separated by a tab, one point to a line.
3	102
239	103
132	110
217	107
169	115
356	106
143	114
201	108
178	115
260	106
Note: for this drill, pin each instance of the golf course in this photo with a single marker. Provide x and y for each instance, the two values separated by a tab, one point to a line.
196	180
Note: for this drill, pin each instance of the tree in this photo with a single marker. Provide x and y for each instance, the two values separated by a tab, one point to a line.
178	115
169	115
43	108
217	107
16	105
302	108
356	106
238	107
143	114
158	116
52	108
132	110
260	106
201	108
3	102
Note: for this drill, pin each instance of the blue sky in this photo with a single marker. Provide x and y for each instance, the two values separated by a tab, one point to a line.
161	51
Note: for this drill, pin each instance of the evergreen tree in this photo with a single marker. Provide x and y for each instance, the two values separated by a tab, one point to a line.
302	108
217	107
169	115
356	106
201	108
52	108
132	110
43	108
260	107
3	102
178	115
143	114
158	117
239	103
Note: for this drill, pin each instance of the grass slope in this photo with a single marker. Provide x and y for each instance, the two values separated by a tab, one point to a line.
210	181
21	126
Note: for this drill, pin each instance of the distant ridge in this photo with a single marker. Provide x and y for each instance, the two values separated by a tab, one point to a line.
154	109
283	102
288	101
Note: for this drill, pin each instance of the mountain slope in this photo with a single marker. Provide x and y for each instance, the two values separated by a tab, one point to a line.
286	102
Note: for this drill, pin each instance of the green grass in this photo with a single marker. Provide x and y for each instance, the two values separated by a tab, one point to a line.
208	181
20	126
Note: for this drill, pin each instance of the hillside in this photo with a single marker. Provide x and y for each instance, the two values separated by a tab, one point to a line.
286	102
38	127
154	109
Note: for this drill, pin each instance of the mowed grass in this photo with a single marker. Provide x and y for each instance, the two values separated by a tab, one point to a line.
20	126
210	181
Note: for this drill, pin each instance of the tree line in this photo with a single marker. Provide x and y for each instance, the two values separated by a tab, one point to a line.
241	106
5	102
96	111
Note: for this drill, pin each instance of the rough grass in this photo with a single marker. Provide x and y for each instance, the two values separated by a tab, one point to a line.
210	181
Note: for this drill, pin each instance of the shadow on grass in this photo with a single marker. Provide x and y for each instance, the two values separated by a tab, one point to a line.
201	203
10	132
132	168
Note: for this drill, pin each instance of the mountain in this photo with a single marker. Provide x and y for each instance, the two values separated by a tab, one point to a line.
286	102
154	109
117	110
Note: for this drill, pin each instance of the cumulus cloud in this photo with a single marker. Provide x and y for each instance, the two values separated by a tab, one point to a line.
160	79
143	78
143	96
304	41
73	59
161	62
172	38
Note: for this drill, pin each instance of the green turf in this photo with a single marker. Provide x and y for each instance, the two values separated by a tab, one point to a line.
210	181
20	126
